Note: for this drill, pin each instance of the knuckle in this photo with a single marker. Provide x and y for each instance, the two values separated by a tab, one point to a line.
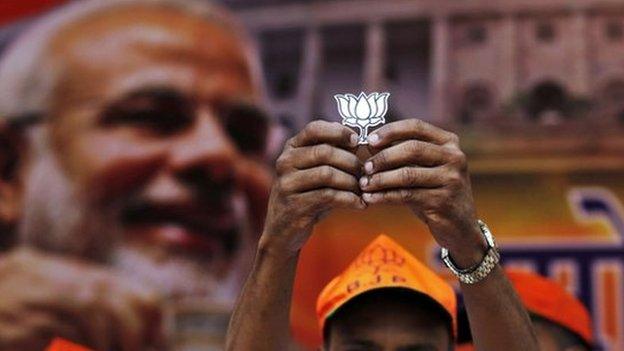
407	176
405	195
281	164
326	174
323	152
313	128
416	123
453	138
413	147
327	195
306	132
341	198
281	185
346	133
454	179
457	157
292	140
310	131
317	123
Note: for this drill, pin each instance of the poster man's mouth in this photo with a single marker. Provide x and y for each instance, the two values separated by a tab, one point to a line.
209	229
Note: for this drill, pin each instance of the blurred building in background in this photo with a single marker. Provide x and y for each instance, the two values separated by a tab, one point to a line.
465	62
537	69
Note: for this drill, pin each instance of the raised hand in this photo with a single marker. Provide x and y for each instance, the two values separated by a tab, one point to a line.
419	165
316	172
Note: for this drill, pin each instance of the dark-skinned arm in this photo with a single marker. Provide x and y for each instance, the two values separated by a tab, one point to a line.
316	173
419	165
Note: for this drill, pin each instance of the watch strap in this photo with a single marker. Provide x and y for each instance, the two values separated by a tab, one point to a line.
481	270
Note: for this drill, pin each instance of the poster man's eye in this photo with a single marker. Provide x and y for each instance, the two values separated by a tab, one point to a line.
156	111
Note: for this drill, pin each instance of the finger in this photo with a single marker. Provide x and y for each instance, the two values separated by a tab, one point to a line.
318	178
406	177
410	152
395	197
410	129
330	198
325	154
323	132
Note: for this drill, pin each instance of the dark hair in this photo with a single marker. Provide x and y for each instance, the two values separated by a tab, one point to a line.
421	302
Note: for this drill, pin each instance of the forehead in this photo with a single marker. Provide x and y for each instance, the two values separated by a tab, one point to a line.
130	47
391	326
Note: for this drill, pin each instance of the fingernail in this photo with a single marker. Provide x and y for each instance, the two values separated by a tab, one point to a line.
353	139
373	139
367	197
368	167
363	182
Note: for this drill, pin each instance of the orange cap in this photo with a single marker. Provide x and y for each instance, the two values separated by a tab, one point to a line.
59	344
549	300
465	347
384	264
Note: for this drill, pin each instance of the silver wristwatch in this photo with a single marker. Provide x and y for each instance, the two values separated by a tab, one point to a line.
481	270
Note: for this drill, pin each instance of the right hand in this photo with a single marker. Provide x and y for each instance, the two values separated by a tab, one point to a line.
316	172
42	296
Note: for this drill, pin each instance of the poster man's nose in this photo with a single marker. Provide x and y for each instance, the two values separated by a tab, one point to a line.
206	148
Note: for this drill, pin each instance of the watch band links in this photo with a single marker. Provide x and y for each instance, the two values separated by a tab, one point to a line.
481	270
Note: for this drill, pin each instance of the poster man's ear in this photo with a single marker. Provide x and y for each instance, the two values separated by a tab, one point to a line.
13	152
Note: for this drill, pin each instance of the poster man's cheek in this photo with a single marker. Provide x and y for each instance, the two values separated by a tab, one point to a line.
108	169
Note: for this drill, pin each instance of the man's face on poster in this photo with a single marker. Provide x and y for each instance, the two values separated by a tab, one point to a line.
155	145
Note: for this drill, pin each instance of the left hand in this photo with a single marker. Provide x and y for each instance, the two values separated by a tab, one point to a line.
419	165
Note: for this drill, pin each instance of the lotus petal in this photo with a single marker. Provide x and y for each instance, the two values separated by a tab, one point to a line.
352	104
382	105
343	106
362	109
371	100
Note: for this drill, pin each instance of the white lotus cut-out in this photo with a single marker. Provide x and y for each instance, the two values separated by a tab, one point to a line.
363	111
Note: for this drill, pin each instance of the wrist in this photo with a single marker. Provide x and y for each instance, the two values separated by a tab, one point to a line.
277	245
469	253
473	272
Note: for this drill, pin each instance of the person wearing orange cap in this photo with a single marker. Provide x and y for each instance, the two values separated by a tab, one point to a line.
414	164
403	295
561	321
